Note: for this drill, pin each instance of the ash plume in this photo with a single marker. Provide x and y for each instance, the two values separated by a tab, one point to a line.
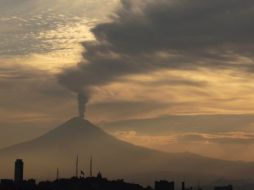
82	101
147	36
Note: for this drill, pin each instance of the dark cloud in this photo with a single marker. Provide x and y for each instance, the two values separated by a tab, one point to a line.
179	25
151	35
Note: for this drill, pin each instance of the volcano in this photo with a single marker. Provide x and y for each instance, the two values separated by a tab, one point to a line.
115	158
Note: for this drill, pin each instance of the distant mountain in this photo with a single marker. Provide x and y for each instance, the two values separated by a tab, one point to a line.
59	147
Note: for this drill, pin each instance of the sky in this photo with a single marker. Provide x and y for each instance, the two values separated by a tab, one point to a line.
135	60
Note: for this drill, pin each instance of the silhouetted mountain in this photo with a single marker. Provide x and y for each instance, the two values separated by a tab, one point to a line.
115	158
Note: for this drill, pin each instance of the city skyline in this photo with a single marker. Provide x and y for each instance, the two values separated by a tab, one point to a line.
94	181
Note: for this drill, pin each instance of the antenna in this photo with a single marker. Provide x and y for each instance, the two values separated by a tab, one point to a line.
91	166
57	174
77	167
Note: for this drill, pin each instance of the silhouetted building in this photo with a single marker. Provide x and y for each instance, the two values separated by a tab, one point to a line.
184	188
99	176
31	181
19	169
91	166
7	182
183	185
164	185
90	183
229	187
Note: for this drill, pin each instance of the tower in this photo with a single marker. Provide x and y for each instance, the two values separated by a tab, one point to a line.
183	185
57	174
77	167
19	169
91	166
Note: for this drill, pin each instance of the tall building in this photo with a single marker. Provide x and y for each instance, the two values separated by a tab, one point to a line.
91	166
183	185
19	169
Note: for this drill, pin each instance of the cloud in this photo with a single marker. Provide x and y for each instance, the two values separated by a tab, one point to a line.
179	25
38	27
147	36
185	124
236	138
231	138
42	34
217	145
144	140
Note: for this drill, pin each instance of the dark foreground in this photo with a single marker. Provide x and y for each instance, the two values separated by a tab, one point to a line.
92	183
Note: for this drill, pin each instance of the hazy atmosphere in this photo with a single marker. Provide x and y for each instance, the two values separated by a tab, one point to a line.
171	75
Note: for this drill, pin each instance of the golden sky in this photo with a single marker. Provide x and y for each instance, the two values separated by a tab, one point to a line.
205	71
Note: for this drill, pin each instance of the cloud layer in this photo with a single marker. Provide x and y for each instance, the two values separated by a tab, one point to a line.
38	27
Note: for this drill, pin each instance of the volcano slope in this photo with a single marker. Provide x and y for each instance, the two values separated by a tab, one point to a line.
115	158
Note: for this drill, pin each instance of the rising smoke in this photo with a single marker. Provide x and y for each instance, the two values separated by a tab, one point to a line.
82	101
146	36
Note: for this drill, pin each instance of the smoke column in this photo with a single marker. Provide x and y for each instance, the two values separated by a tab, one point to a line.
82	101
149	36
